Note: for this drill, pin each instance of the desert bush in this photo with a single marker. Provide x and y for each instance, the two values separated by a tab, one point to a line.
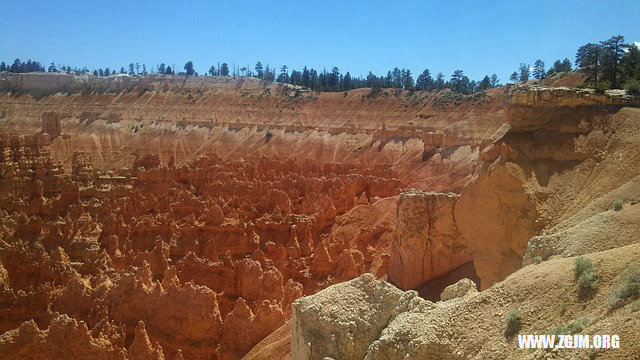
602	86
631	287
587	277
514	322
588	285
635	306
634	200
617	205
581	264
633	87
578	325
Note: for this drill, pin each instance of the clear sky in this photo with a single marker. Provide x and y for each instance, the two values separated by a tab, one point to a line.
479	37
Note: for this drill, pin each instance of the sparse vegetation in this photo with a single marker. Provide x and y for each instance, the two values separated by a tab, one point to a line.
578	325
634	200
602	86
514	323
617	205
633	87
587	277
574	327
630	289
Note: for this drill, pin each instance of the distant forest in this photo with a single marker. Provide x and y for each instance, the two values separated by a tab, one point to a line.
609	64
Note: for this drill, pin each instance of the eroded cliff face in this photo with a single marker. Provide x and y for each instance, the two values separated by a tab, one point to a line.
181	218
428	242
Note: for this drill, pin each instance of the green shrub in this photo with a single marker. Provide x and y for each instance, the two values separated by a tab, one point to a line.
578	326
634	200
633	87
617	205
587	277
514	322
602	86
581	86
588	284
631	287
581	264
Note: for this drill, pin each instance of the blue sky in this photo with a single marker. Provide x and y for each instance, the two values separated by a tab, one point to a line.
479	37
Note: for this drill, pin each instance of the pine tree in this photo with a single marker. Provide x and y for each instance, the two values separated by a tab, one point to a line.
494	81
631	64
538	69
514	77
439	83
224	69
589	57
485	83
346	81
212	70
523	72
425	81
259	71
407	80
456	81
614	50
188	68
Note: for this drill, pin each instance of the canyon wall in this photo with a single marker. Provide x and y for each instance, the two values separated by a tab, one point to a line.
212	204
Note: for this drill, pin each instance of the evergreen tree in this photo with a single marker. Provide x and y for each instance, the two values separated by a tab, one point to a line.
456	81
425	81
631	64
131	67
259	71
514	77
347	82
144	69
283	77
332	80
538	69
439	83
306	77
566	65
212	70
122	70
169	71
52	67
371	80
589	57
95	72
162	69
523	72
407	79
188	68
107	72
485	83
614	50
494	81
3	66
224	69
137	68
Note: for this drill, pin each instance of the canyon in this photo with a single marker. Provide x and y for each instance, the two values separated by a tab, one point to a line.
173	217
